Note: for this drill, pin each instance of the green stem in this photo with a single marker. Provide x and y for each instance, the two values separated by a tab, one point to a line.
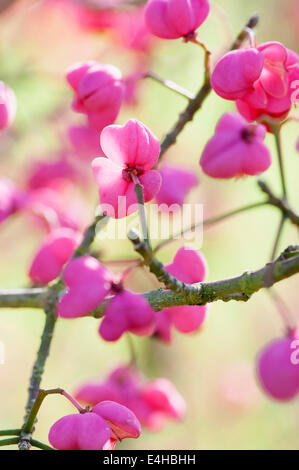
27	428
277	136
42	394
277	238
239	288
281	204
40	445
10	432
209	222
89	235
38	369
207	61
9	442
141	209
283	310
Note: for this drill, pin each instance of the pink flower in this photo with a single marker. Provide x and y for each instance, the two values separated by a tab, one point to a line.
50	173
99	92
236	149
172	19
85	142
130	149
11	198
57	207
8	106
176	183
88	283
162	396
132	30
97	429
55	251
127	312
152	402
93	19
190	267
236	72
261	80
271	94
277	373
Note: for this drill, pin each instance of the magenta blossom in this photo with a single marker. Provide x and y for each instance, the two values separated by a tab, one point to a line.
127	312
57	207
176	183
11	198
190	267
55	251
85	142
278	373
236	72
97	429
173	19
261	80
8	106
153	402
132	30
236	149
88	283
131	150
99	92
50	173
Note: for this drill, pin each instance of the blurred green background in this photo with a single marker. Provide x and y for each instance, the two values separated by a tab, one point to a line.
215	369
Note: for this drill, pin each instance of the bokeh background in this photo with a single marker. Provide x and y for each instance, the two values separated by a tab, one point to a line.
214	369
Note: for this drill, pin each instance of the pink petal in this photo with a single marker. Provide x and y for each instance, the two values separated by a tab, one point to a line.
76	73
88	284
108	176
86	431
132	144
54	252
235	74
122	421
176	183
188	266
188	319
162	396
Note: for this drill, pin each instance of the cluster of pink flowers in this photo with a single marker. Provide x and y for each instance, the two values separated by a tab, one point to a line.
260	79
153	402
89	283
190	267
96	429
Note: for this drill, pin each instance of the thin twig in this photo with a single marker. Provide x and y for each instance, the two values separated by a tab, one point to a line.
277	238
277	136
170	85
